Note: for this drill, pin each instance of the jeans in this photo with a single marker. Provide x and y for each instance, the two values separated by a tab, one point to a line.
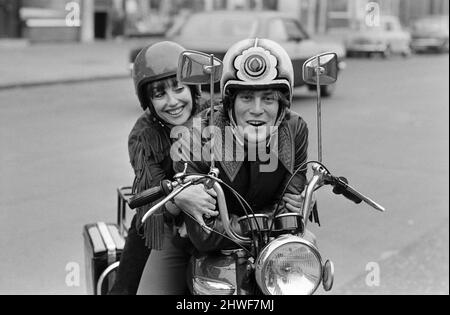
165	271
132	263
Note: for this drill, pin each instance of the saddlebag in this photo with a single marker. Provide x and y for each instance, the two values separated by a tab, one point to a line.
103	246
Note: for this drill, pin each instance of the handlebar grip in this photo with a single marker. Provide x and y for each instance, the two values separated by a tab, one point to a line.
151	195
146	197
341	188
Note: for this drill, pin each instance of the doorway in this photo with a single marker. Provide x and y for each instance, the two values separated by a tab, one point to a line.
9	19
101	25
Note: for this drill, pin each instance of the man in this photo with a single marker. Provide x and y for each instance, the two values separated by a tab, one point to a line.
258	142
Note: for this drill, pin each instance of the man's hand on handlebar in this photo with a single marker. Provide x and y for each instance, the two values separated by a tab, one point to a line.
294	203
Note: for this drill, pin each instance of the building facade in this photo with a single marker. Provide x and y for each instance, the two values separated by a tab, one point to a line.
322	16
104	19
61	20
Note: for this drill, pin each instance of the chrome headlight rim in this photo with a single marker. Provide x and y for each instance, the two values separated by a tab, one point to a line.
268	251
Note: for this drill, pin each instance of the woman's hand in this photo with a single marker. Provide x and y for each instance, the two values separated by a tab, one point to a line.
198	202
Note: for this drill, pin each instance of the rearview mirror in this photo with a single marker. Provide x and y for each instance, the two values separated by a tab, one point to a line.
323	67
196	68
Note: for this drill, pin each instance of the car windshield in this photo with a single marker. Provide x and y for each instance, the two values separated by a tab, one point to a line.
211	26
431	25
385	25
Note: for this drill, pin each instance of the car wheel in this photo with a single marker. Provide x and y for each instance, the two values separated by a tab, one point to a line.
387	52
406	53
327	90
445	47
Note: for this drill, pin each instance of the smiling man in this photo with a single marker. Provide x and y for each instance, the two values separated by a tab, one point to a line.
256	88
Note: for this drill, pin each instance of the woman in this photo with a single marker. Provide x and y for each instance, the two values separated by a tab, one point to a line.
167	104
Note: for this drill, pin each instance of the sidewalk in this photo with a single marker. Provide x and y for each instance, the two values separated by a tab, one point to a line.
58	63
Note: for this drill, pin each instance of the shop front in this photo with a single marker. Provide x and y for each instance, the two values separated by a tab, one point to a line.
9	19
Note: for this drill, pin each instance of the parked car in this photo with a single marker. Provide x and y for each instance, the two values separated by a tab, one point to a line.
385	39
214	32
431	33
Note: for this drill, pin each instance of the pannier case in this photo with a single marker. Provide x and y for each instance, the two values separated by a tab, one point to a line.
103	246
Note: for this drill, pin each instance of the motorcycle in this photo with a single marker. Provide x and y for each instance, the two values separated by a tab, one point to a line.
273	255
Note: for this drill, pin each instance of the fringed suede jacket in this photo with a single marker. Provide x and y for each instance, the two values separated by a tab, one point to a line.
149	146
261	187
149	149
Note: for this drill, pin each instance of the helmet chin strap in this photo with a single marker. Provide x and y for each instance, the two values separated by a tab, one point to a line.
241	139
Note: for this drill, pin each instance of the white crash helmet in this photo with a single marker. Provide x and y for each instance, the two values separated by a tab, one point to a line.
256	64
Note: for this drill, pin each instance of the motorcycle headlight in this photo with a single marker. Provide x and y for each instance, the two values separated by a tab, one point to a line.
289	265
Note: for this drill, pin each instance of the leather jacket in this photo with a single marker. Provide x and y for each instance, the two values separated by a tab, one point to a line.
261	189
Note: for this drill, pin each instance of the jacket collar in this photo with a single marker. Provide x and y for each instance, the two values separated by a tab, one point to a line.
281	146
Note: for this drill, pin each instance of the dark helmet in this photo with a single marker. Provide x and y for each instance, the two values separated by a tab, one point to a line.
154	63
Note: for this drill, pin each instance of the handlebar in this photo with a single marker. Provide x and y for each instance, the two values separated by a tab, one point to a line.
151	195
171	190
341	187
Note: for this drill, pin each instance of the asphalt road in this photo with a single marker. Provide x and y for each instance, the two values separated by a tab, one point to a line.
64	153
